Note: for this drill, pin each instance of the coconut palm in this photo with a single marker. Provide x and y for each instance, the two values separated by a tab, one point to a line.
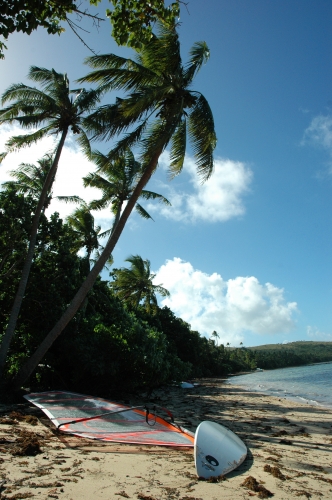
30	179
117	183
54	109
160	97
87	234
134	285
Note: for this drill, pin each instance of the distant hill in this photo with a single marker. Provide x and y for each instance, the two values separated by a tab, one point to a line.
292	354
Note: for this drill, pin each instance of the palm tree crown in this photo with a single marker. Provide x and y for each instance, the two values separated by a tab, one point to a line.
31	178
54	108
117	183
160	99
135	284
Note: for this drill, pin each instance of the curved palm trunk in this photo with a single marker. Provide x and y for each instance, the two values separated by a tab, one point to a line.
118	227
28	260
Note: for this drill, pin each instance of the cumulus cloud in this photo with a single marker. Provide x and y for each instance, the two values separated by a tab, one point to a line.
232	307
217	200
314	334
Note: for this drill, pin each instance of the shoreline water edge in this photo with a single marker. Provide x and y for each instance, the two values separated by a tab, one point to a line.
289	452
306	384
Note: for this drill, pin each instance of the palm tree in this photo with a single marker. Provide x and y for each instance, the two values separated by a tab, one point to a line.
135	284
215	336
30	179
55	109
118	183
159	88
83	223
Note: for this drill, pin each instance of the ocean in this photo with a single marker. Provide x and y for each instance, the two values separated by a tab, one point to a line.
305	384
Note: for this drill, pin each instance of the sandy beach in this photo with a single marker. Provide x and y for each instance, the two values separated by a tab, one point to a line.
289	452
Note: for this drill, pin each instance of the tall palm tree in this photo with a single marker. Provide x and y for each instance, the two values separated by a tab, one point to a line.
160	96
30	179
135	284
55	109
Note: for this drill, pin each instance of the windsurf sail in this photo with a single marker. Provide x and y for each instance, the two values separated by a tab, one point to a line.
97	418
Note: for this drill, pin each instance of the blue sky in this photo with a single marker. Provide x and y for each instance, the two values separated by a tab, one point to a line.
248	254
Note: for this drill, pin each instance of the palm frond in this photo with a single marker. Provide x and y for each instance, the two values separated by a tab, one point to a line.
156	139
87	100
162	291
199	54
19	141
24	94
127	142
106	122
3	156
44	76
143	213
178	149
99	204
202	136
84	142
162	54
70	199
146	99
150	195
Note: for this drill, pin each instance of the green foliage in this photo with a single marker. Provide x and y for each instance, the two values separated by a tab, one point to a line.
133	20
292	354
160	97
28	15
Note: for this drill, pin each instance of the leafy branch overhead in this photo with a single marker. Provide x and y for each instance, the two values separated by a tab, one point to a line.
132	20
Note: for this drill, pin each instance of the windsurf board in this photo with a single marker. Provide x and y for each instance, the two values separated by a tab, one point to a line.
217	450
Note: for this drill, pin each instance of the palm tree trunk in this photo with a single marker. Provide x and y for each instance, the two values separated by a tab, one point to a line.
28	260
118	227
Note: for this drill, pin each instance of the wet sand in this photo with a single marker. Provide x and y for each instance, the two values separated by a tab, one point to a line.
289	452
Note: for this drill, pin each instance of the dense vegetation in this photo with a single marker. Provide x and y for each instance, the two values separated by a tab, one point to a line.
109	343
292	354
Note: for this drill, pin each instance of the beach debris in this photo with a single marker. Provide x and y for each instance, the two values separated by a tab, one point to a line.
27	444
299	493
141	496
122	494
252	484
285	441
275	471
213	479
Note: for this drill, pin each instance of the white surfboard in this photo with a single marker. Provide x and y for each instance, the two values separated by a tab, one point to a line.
217	450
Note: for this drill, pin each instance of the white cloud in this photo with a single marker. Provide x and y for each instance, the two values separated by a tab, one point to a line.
217	200
230	307
314	334
72	167
319	135
319	132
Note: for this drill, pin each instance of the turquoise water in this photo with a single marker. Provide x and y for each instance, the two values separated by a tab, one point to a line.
305	384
